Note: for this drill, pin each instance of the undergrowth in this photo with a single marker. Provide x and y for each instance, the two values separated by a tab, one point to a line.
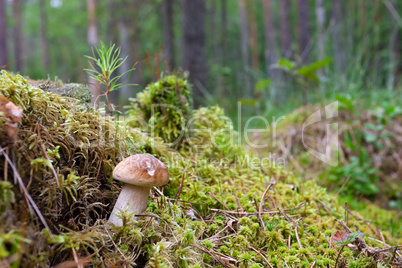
369	149
220	209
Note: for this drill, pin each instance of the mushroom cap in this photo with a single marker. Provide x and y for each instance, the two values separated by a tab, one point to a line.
141	170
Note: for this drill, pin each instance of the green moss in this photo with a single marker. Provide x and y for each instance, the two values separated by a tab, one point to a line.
166	236
163	108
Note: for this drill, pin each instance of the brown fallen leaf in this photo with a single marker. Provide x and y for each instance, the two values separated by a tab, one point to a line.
13	111
339	236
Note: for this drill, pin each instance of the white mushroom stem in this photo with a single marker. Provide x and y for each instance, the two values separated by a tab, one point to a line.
131	196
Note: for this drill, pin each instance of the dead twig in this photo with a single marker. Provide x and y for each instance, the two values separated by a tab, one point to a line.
388	249
31	202
297	236
262	256
284	214
6	166
381	236
339	254
314	263
243	213
222	261
238	203
220	202
180	188
347	229
285	263
262	205
78	262
111	263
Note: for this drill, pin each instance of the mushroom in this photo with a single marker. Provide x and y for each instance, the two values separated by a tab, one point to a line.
139	173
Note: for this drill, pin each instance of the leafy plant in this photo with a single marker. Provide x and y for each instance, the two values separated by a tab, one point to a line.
361	173
107	61
341	240
272	224
306	75
303	74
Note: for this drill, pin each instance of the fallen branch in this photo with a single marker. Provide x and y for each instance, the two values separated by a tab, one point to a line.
19	181
262	256
262	205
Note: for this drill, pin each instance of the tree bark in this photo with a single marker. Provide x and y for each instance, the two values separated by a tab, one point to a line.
224	27
304	35
223	47
43	36
336	35
93	39
3	35
244	47
194	53
113	35
168	34
252	23
129	29
270	54
18	36
320	13
285	29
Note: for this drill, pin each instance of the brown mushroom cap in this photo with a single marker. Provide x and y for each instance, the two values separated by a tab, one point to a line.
142	170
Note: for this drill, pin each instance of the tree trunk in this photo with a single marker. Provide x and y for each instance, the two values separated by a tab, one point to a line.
395	54
223	47
194	54
270	55
43	36
285	29
113	35
337	36
129	29
224	27
92	36
168	35
252	22
244	47
320	13
3	35
112	28
18	37
304	35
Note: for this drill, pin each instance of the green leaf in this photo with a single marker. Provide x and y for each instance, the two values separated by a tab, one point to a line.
370	137
286	64
309	71
262	84
250	102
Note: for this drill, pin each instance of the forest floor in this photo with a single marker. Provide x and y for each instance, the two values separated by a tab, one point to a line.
58	192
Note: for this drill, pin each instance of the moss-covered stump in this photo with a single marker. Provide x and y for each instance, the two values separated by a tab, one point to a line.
222	212
79	92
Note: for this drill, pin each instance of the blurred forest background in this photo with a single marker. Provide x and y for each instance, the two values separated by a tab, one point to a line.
265	53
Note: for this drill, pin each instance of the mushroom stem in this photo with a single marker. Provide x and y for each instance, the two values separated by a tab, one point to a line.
135	197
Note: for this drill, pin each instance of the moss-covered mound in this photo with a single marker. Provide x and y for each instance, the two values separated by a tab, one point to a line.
221	209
